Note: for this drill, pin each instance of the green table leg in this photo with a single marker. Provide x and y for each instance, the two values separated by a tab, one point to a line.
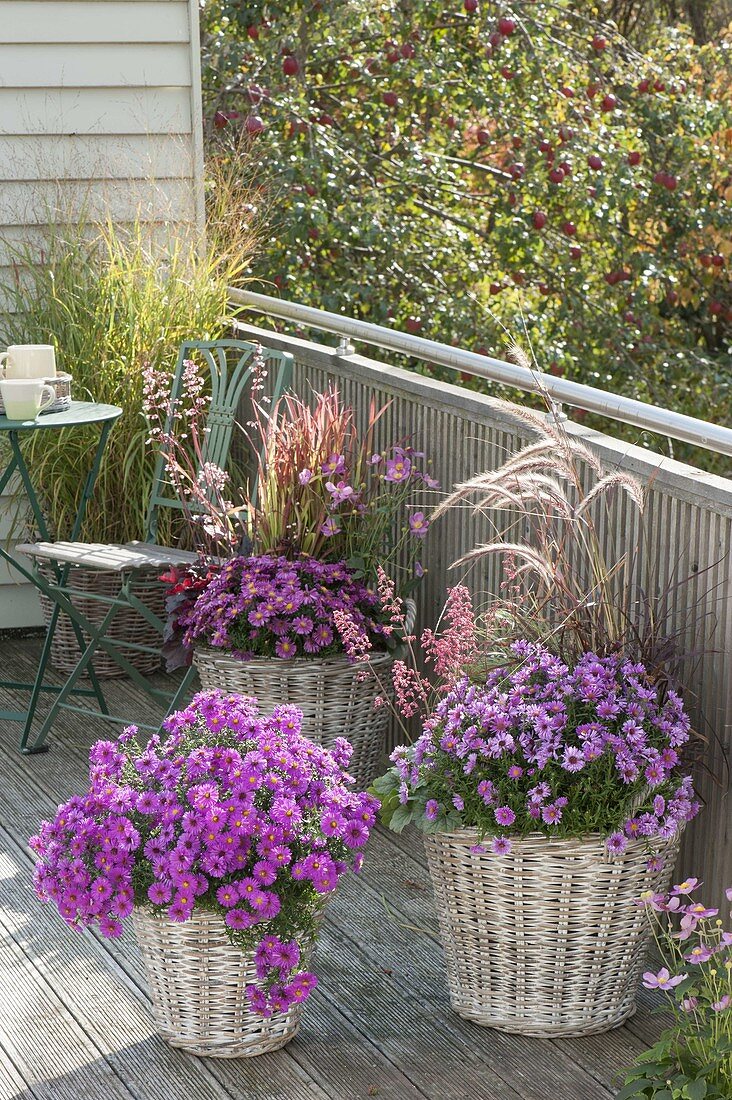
18	464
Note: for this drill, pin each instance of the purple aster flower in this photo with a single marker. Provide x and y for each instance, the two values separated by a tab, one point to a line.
504	815
501	845
305	476
616	843
432	809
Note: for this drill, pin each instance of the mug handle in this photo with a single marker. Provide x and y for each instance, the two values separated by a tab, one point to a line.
51	399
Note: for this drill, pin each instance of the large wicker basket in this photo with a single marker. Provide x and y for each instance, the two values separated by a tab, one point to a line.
198	983
546	940
335	699
127	625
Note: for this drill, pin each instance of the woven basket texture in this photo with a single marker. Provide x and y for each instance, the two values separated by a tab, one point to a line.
546	940
127	625
198	983
333	701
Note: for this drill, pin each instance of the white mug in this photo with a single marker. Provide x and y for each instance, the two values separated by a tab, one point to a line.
25	398
28	361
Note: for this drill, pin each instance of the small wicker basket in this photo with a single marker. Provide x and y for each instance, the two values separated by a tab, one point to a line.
61	382
127	625
334	701
198	983
546	940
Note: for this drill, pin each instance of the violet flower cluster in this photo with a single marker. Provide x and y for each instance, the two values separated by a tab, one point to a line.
542	747
273	607
696	973
229	811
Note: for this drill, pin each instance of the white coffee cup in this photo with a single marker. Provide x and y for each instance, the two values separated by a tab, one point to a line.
25	398
28	361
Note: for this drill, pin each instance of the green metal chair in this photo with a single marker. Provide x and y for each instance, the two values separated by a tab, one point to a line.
230	364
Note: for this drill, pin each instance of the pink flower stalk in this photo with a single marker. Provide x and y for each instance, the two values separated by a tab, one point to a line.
355	640
456	647
410	688
391	603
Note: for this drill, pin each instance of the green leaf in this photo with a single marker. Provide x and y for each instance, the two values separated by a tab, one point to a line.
400	818
695	1090
634	1088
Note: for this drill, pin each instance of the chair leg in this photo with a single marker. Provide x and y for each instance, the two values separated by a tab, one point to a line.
87	654
181	693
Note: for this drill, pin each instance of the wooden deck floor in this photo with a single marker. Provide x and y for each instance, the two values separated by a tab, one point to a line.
74	1019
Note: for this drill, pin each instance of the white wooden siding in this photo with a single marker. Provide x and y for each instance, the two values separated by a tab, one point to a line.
100	116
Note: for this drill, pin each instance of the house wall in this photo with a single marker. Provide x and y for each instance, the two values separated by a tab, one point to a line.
100	117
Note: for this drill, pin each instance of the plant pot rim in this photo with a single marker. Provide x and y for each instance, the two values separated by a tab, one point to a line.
470	835
337	659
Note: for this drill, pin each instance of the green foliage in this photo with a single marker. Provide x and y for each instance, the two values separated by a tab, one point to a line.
110	302
693	1058
427	171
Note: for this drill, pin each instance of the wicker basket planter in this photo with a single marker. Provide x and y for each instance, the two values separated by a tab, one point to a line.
198	985
127	624
546	940
333	700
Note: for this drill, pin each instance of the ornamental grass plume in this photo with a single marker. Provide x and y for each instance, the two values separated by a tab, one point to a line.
229	811
558	583
693	1057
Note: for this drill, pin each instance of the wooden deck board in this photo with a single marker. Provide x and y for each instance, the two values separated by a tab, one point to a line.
379	1025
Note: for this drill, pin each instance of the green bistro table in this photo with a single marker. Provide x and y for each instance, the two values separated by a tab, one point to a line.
79	414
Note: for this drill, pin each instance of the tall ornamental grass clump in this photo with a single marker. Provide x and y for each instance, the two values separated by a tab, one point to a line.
113	301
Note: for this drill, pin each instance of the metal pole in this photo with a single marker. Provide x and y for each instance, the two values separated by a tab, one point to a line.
652	418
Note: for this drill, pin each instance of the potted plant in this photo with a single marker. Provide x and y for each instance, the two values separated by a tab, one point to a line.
328	514
693	1057
222	840
548	778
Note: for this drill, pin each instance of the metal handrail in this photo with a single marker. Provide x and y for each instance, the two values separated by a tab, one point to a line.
653	418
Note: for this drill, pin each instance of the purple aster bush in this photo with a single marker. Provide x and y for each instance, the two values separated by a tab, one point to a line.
266	606
694	1055
546	747
227	811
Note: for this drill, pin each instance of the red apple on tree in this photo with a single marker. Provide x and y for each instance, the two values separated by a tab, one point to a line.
506	25
594	162
609	103
253	124
634	158
290	66
538	219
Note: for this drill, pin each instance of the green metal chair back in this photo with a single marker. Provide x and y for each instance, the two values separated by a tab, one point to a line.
230	364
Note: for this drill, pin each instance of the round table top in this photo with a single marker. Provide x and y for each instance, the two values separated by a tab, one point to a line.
80	412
